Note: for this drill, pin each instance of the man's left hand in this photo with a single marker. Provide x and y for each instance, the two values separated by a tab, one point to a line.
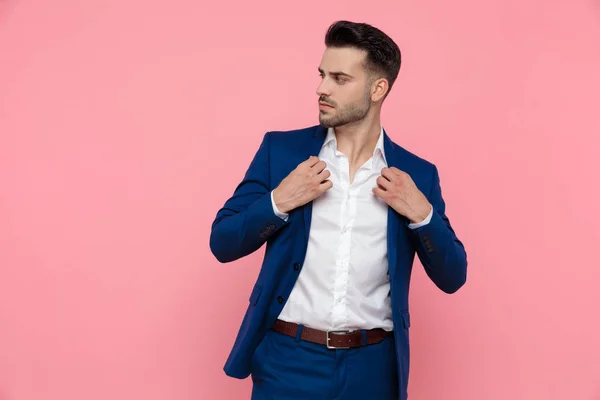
399	191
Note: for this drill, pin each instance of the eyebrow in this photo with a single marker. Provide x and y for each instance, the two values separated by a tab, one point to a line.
336	73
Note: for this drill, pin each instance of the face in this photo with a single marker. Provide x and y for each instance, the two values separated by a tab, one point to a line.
345	94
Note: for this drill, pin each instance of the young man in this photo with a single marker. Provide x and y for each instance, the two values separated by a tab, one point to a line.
343	210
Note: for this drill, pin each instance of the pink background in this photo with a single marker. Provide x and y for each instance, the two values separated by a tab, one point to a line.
124	126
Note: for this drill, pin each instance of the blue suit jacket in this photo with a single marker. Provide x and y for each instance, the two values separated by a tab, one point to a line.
247	221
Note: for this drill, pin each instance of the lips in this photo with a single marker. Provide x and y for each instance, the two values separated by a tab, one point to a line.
325	105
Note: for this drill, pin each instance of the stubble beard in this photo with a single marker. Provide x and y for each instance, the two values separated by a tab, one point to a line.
349	114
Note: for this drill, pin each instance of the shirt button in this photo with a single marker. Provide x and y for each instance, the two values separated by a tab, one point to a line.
280	299
296	267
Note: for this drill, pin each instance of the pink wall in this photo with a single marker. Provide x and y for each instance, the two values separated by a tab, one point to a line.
124	125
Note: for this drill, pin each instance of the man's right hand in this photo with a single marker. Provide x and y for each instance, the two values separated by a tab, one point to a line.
304	184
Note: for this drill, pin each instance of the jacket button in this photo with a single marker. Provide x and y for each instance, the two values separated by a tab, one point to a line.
296	267
280	299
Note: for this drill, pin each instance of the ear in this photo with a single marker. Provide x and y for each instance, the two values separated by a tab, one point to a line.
379	88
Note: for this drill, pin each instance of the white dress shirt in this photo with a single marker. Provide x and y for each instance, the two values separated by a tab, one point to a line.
344	283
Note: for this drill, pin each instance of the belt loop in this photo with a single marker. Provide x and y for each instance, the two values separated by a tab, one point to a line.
364	335
299	332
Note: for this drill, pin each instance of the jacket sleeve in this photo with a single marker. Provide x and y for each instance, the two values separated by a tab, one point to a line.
247	218
441	252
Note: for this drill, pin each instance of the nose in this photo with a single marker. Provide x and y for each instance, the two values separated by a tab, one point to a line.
323	89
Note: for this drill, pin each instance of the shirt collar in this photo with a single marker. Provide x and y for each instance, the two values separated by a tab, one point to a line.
330	138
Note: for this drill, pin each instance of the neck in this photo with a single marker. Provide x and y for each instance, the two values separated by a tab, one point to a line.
358	139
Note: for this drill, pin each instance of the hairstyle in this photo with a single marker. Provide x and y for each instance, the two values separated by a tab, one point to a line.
383	55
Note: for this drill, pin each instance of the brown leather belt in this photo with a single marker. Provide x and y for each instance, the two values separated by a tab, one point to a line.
332	339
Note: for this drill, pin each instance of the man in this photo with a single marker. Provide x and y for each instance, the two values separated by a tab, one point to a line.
342	210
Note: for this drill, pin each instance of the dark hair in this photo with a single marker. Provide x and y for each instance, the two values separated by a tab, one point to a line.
383	54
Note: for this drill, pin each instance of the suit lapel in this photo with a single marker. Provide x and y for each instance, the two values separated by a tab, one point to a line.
395	229
313	147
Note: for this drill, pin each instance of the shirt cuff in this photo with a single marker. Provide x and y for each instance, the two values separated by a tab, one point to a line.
282	215
422	223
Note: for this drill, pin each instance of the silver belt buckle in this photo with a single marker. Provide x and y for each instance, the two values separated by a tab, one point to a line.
344	332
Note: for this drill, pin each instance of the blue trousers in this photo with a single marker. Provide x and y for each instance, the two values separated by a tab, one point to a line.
287	368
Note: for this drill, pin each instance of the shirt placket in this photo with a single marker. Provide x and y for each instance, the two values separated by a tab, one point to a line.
347	217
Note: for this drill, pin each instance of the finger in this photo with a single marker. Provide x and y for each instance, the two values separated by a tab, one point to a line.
311	161
399	173
325	186
379	192
319	167
324	174
396	170
388	174
383	183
